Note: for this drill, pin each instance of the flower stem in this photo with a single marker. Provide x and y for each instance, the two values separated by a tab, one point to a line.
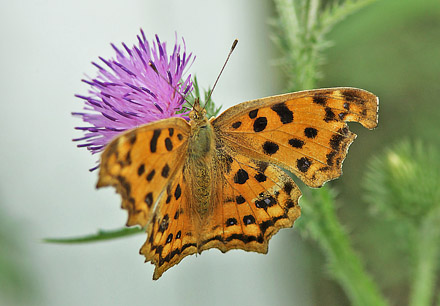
301	37
426	253
320	220
101	235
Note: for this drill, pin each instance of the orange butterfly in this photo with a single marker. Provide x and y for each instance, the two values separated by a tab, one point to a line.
219	182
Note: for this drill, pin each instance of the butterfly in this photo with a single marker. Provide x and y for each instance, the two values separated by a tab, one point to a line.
221	182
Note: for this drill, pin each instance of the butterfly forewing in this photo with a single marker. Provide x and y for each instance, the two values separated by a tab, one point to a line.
305	132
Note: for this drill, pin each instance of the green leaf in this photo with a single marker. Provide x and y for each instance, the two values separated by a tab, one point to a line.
101	235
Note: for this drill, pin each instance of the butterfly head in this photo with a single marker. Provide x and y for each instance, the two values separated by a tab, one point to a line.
198	114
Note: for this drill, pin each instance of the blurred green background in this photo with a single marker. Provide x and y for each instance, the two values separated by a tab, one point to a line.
391	48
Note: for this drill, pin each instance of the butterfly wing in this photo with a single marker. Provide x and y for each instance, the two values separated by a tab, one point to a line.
304	132
254	200
145	165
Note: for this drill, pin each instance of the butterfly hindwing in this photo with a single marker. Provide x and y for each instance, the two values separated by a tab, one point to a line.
255	199
145	165
304	132
171	233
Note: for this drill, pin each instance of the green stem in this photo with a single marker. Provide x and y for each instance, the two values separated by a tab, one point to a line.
427	248
101	235
320	220
302	26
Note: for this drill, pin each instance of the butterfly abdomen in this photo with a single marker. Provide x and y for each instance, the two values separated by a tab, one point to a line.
199	167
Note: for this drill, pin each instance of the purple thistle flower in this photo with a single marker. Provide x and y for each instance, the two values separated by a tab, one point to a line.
128	92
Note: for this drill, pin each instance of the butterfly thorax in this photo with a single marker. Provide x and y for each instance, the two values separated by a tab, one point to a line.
199	164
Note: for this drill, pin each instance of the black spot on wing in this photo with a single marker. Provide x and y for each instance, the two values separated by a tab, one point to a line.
270	147
285	114
265	201
288	187
149	199
329	115
231	222
239	199
303	164
165	171
141	169
351	96
169	238
330	157
168	144
319	100
289	203
296	143
335	141
236	125
241	177
262	166
178	192
260	177
249	219
260	124
310	132
253	113
151	175
153	141
176	215
163	226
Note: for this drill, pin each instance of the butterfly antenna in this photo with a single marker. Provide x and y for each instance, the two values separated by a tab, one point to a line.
234	44
151	64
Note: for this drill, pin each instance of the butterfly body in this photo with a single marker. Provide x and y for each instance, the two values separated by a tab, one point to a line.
220	183
199	170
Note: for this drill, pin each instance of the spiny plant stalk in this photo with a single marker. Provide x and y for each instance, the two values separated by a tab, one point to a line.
319	221
426	254
402	186
301	27
300	30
